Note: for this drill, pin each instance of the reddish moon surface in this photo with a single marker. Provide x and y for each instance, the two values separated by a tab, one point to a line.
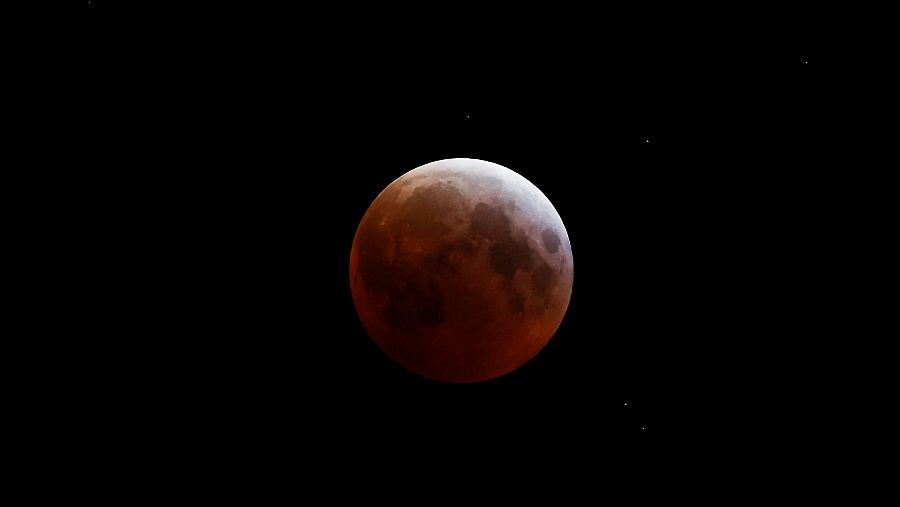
461	270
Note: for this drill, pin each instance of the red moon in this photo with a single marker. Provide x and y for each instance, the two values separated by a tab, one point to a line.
461	270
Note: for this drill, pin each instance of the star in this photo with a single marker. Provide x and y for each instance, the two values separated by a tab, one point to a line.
626	403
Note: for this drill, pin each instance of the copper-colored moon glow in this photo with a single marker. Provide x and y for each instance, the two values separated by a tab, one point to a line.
461	270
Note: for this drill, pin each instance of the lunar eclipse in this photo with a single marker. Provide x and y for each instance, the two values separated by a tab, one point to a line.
461	270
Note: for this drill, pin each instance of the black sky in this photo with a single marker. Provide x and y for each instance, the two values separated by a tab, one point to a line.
228	154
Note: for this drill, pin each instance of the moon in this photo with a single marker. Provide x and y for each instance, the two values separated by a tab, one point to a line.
461	270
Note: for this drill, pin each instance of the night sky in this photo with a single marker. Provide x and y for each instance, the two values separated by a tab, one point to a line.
226	156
